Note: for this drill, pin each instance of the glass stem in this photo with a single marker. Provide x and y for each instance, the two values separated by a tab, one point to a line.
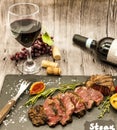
29	57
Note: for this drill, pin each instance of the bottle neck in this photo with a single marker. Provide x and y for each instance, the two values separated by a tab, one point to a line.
90	43
84	41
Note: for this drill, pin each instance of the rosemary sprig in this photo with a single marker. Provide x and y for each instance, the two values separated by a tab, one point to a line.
104	107
51	91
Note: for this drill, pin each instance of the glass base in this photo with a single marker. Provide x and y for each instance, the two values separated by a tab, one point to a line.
28	67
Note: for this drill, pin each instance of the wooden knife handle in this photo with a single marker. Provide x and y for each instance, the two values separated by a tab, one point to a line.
5	110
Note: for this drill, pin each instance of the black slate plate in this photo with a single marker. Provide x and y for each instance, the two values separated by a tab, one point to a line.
17	119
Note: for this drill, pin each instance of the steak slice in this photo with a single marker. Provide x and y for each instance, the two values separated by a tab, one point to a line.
51	112
96	95
83	93
103	83
58	108
80	108
37	115
68	106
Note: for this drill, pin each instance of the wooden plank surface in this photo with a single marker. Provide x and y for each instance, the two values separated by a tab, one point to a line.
62	19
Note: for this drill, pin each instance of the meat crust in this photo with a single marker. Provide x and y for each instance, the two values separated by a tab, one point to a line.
102	83
37	115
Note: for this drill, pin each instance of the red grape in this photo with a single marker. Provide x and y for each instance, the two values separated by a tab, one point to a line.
38	48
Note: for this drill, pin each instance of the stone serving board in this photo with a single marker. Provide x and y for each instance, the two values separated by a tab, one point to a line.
17	119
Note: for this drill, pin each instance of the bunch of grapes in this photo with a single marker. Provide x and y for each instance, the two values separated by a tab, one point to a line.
37	49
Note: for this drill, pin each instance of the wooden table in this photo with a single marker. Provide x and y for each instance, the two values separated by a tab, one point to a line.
62	19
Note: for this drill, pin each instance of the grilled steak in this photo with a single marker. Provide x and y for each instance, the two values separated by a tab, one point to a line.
51	111
68	105
96	96
37	115
83	93
103	83
80	108
60	108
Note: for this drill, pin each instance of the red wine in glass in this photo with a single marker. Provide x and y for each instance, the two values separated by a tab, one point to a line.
25	31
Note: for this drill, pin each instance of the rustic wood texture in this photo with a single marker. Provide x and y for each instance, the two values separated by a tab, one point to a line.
62	19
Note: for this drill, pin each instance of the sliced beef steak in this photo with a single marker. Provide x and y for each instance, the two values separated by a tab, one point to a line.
68	105
83	93
96	96
60	108
103	83
37	115
80	108
51	112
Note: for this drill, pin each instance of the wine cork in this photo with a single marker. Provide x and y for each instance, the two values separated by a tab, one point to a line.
56	53
46	63
53	70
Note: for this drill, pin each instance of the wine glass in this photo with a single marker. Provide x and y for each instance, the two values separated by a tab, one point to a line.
23	20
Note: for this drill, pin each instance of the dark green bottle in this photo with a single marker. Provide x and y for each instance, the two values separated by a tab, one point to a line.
106	48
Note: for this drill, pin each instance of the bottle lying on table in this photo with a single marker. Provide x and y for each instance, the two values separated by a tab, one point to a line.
106	48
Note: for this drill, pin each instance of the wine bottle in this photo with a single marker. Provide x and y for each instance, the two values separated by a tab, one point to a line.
106	48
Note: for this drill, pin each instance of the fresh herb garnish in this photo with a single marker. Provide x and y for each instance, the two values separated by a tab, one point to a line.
104	107
51	91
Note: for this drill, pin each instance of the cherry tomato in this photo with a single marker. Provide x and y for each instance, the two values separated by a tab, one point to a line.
116	89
